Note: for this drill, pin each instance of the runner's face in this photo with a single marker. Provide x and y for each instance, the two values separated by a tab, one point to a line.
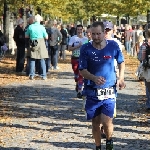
97	34
108	33
79	30
88	31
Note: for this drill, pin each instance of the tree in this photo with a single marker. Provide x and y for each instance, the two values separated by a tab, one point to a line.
77	9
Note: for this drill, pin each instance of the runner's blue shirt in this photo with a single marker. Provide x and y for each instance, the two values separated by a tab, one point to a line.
100	63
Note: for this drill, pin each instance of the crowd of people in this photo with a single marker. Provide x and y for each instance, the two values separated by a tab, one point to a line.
130	36
137	44
95	50
42	42
56	38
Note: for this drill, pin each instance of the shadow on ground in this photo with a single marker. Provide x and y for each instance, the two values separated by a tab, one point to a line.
60	103
15	148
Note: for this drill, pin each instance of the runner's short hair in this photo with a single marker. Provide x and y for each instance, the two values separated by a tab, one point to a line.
79	25
98	23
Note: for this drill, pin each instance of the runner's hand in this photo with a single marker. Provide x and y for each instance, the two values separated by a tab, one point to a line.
99	80
121	84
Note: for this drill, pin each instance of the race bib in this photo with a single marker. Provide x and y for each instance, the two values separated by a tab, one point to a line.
105	93
76	53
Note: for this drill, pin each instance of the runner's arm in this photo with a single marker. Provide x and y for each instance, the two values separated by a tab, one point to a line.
97	79
70	48
121	67
87	75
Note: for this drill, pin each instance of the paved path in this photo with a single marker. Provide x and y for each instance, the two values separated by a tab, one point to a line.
46	115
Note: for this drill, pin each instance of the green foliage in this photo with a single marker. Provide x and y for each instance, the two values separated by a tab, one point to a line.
77	9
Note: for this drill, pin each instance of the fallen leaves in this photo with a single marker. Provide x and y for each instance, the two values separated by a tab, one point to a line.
7	71
132	65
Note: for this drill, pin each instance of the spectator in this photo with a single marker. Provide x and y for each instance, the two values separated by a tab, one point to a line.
72	30
50	38
2	44
57	38
27	46
37	35
116	33
19	38
139	30
134	41
127	38
144	71
63	44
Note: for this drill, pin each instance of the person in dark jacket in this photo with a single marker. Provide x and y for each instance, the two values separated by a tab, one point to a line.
50	37
19	38
2	43
27	46
2	39
72	30
63	44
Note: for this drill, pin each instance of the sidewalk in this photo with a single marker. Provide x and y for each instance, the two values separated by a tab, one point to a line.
46	115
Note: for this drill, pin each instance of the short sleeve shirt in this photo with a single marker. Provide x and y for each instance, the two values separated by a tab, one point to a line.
120	46
75	41
100	63
36	31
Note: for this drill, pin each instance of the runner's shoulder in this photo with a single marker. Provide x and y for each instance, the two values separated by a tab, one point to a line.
112	43
86	45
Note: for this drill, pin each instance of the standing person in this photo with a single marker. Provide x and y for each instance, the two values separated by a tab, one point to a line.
122	30
63	44
72	30
131	40
50	38
57	38
134	41
68	31
143	57
2	43
127	38
38	51
27	46
19	38
139	30
30	20
117	34
139	43
96	58
75	44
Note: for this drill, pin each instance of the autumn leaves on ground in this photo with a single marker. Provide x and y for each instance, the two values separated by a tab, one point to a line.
8	74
